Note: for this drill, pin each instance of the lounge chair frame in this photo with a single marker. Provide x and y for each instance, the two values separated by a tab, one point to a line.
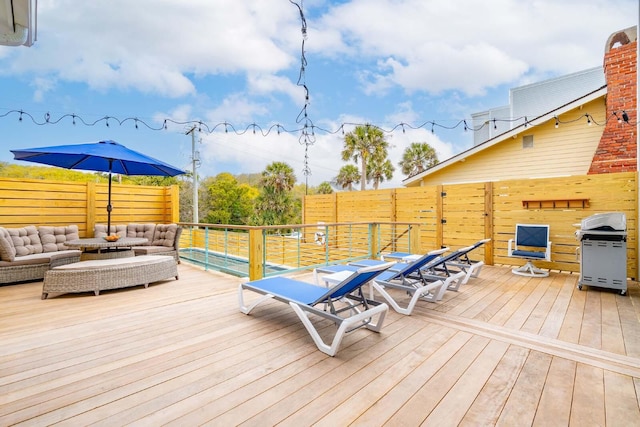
422	284
464	263
344	304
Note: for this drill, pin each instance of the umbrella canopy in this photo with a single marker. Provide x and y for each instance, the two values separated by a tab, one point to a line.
102	156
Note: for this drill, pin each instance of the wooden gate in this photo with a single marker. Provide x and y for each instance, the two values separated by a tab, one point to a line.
466	216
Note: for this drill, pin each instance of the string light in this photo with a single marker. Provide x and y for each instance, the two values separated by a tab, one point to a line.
310	130
307	139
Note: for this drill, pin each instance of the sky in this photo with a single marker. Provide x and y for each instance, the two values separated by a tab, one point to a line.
241	62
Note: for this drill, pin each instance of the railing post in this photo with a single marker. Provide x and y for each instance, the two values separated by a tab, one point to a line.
488	222
174	200
374	240
206	248
91	208
414	239
256	254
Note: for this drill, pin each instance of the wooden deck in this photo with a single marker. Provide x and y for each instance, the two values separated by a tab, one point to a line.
505	350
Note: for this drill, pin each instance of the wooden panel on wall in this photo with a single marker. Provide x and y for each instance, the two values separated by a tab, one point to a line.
357	206
606	193
464	208
419	204
40	202
464	213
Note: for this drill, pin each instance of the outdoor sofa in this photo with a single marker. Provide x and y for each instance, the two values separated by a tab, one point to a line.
164	239
26	253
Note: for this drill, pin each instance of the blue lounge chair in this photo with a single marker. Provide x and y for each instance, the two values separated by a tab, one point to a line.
421	283
354	265
344	304
459	261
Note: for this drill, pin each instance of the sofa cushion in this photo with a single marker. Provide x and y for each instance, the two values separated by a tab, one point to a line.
33	259
7	250
165	235
26	240
145	231
100	230
53	238
150	250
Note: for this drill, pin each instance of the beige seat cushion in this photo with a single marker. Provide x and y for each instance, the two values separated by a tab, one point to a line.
165	235
100	230
7	250
145	231
149	250
53	238
26	240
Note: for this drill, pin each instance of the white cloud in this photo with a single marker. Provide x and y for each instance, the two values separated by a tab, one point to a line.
156	46
470	46
236	108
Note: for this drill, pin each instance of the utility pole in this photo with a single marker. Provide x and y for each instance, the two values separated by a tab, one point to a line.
195	159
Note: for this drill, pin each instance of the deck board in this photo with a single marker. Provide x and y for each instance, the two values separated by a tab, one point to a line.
503	350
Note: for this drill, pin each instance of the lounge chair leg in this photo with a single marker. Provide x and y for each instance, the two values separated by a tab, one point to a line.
434	288
378	311
475	269
247	309
453	282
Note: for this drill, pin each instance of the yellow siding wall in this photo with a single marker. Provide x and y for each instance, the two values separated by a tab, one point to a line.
565	151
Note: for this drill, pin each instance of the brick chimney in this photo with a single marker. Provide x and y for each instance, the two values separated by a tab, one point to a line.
618	145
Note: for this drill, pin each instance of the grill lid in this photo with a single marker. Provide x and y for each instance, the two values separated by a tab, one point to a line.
607	222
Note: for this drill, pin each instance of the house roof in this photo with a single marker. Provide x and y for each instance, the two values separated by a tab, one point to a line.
550	115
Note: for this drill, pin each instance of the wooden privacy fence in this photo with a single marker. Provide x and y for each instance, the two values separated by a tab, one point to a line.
457	215
39	202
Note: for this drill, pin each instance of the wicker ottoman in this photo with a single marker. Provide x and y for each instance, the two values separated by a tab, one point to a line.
99	275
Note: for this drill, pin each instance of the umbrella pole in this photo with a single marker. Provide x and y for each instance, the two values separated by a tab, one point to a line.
109	203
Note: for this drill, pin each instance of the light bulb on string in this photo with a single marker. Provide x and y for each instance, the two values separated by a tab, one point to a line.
625	116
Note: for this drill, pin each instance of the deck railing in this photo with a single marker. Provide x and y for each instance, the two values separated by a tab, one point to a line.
259	252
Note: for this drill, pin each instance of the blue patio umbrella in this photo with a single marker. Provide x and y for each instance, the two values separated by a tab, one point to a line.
102	156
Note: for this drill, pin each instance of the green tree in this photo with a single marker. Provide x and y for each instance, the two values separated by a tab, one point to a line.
417	158
10	170
347	176
378	170
324	188
275	204
362	144
228	201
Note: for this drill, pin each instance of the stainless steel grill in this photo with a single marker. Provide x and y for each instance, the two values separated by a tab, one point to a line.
603	251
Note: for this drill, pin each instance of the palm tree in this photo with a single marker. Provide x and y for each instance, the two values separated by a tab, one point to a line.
279	176
417	158
324	188
378	170
362	144
347	176
275	204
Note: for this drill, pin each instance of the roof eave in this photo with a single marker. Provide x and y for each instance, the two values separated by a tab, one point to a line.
510	133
